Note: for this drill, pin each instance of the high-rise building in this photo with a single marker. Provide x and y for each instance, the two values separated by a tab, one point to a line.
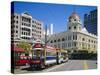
90	21
51	29
24	27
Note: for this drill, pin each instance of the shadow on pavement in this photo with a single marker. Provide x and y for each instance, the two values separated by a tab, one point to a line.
83	57
37	69
31	69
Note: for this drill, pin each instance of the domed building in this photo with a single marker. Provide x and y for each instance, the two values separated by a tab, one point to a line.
76	39
74	23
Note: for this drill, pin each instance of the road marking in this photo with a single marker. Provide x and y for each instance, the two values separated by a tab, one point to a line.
85	65
55	67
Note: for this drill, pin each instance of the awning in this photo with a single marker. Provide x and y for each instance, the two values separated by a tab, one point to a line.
16	49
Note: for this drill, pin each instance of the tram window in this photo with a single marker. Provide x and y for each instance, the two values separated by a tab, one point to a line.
26	54
25	57
38	53
50	54
21	57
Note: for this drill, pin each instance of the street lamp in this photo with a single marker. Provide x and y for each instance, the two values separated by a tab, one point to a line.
45	42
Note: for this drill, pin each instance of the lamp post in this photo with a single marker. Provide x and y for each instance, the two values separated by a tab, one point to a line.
45	43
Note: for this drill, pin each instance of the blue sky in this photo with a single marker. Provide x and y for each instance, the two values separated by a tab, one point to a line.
52	13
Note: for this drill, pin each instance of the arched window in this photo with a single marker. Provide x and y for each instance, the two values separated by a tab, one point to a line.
74	27
58	40
74	44
74	19
63	39
54	40
51	41
69	28
74	37
69	37
83	39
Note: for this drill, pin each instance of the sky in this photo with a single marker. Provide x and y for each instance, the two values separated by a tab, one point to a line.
56	14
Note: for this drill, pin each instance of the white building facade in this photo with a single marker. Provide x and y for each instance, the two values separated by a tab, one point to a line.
76	38
25	28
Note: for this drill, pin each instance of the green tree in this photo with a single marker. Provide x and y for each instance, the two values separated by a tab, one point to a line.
26	46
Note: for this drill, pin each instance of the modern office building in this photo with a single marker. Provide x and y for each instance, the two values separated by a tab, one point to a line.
76	38
25	28
90	21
